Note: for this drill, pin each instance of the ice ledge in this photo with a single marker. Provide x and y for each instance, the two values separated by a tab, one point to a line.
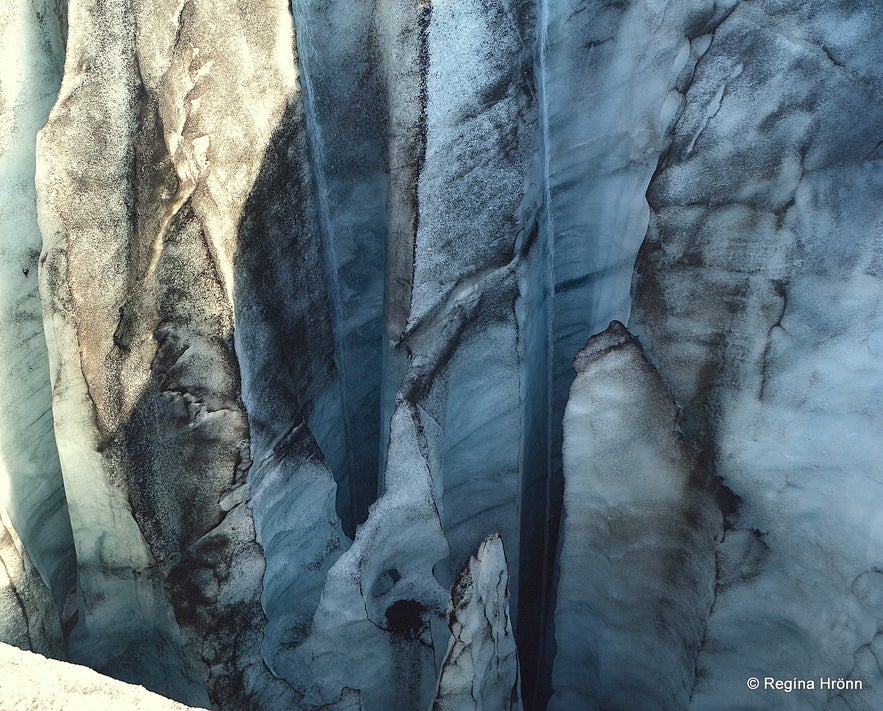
31	682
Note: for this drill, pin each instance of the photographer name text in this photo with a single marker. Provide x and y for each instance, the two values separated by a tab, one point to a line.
824	683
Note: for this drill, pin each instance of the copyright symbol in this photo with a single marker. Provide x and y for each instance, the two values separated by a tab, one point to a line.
753	682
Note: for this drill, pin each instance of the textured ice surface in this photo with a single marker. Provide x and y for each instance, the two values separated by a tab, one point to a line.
476	204
344	115
611	79
298	256
117	608
637	564
31	487
137	283
28	617
380	594
480	669
757	295
610	82
480	488
293	505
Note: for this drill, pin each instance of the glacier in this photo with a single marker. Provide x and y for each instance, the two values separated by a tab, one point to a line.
486	354
37	540
637	563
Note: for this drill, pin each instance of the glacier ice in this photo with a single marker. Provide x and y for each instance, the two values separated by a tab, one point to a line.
151	429
343	114
337	419
29	618
480	669
380	593
770	274
611	82
31	488
637	565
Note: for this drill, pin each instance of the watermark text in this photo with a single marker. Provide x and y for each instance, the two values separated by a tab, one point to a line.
822	683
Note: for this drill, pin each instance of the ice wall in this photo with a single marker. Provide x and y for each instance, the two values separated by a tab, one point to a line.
28	617
313	279
31	488
757	295
158	131
610	80
346	118
477	210
432	370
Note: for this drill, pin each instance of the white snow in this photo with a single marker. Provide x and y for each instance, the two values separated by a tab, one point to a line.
31	682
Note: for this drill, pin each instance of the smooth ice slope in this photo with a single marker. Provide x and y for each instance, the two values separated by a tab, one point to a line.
345	115
637	565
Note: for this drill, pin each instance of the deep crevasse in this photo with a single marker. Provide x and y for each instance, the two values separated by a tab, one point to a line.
412	244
